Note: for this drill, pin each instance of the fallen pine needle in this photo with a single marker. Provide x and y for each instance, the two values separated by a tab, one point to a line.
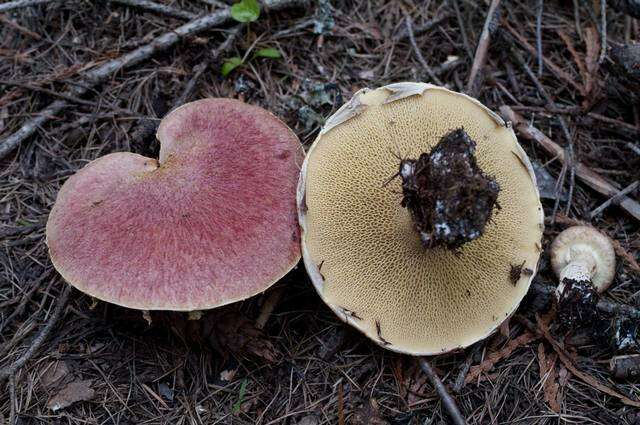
495	357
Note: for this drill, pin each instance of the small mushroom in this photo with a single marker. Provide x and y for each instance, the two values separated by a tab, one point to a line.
403	235
211	222
584	261
583	254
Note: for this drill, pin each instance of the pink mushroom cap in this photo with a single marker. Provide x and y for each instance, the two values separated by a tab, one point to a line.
211	222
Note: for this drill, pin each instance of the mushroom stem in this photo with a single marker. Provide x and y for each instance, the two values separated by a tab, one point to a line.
584	261
579	268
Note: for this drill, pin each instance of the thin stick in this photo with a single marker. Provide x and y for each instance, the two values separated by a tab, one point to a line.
107	69
633	147
576	17
64	96
61	303
427	26
448	401
12	400
216	3
21	3
464	369
590	177
416	49
483	45
158	8
614	199
17	311
463	30
19	28
539	36
268	306
603	30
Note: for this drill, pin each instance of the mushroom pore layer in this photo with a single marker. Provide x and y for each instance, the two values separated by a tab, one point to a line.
360	246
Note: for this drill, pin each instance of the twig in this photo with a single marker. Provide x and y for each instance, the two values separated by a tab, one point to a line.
539	12
19	28
633	147
603	31
448	401
162	9
590	177
576	17
614	199
463	30
61	303
17	311
464	369
104	71
21	3
65	96
12	400
490	26
216	3
416	49
427	26
268	306
555	69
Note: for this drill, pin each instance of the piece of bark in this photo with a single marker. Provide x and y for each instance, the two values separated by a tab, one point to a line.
625	367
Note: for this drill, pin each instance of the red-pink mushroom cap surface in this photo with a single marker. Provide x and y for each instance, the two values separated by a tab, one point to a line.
212	222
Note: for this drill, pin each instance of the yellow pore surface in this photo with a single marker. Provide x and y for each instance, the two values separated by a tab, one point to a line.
374	271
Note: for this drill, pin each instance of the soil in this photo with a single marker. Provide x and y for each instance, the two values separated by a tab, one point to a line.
450	198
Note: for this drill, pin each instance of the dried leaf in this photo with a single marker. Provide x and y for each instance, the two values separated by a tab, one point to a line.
495	357
548	375
73	392
592	41
228	375
368	414
54	373
230	331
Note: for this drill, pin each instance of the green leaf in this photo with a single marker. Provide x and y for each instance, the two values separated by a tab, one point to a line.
268	52
245	11
243	389
230	64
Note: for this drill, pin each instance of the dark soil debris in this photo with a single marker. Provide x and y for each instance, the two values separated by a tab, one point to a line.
449	197
577	304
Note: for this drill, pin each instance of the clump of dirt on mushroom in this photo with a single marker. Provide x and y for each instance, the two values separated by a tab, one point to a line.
449	197
577	304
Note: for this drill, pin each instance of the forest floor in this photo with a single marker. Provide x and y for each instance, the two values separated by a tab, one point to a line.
68	359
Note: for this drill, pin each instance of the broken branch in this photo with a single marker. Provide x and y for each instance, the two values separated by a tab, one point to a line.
448	401
107	69
591	178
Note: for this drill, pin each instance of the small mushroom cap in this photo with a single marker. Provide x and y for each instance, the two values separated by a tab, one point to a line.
212	222
360	247
578	242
